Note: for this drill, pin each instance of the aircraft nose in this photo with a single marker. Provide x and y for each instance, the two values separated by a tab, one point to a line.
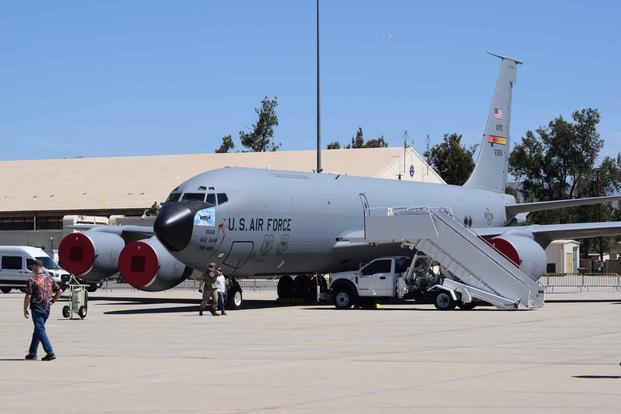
174	224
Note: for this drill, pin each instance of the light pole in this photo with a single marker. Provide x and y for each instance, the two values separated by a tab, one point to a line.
319	169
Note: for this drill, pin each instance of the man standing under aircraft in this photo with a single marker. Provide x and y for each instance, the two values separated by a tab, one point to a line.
210	289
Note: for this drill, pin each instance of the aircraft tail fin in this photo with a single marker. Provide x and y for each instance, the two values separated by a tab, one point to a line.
490	171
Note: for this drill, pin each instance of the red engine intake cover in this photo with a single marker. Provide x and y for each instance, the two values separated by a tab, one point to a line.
76	253
506	248
138	264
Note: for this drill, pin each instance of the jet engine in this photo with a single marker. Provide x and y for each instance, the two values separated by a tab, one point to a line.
92	254
147	265
523	251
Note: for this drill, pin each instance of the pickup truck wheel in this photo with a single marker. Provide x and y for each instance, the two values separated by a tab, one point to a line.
444	301
5	289
343	297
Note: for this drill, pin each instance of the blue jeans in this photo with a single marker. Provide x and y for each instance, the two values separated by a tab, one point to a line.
221	301
39	316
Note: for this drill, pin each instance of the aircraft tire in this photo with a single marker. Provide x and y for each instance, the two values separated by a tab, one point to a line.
285	287
5	289
303	288
234	298
444	301
91	289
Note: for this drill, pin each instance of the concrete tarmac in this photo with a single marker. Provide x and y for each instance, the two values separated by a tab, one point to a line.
151	353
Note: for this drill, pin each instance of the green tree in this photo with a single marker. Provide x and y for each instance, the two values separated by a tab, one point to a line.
357	141
334	145
451	159
376	143
558	162
261	136
227	144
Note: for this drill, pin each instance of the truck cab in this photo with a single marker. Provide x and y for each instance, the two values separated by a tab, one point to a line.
378	279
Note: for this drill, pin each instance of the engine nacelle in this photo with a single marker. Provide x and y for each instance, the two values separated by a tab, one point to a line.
147	265
523	251
93	254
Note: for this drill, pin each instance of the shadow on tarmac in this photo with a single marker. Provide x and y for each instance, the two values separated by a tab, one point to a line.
192	305
597	376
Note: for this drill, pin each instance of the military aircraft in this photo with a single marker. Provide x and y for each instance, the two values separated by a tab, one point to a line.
256	222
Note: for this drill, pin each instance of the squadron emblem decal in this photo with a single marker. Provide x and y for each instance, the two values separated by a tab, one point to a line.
205	217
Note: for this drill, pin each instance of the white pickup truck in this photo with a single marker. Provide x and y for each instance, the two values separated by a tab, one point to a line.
385	279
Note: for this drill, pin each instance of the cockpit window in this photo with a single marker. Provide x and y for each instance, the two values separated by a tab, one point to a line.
211	199
174	197
222	198
193	196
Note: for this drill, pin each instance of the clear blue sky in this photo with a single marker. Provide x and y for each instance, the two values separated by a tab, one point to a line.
107	78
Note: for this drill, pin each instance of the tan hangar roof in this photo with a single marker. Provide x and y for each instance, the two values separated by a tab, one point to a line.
136	182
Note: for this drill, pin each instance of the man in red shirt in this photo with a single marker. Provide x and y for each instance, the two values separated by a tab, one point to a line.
41	292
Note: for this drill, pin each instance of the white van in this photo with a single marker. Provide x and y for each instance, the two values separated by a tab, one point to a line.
15	263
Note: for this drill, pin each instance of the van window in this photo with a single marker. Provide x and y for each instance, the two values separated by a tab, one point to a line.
222	198
12	262
379	266
48	263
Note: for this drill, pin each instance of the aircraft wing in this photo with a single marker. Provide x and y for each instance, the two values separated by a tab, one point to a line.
514	209
545	233
127	232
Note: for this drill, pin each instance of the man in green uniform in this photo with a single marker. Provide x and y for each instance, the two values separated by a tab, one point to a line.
210	290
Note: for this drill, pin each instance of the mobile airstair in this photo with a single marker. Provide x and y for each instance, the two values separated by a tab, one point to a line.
473	268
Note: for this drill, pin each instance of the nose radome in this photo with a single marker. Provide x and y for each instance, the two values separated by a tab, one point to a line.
173	225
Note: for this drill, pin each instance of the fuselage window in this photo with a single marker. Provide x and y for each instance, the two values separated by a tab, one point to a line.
174	197
211	199
222	198
193	196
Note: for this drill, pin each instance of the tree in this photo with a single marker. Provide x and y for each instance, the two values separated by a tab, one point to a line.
451	159
376	143
227	144
559	162
358	141
334	145
261	136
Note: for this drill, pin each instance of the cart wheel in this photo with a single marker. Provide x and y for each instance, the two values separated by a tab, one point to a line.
82	312
66	312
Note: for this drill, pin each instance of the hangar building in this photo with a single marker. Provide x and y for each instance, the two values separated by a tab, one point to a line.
35	195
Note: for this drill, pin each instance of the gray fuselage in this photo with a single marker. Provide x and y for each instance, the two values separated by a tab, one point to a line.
284	222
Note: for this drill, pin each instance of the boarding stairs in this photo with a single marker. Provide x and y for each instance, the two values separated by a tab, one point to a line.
476	270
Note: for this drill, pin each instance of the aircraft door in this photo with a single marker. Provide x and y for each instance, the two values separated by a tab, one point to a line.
365	209
376	279
238	255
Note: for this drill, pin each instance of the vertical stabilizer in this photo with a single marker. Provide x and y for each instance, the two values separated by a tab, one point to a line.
490	171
